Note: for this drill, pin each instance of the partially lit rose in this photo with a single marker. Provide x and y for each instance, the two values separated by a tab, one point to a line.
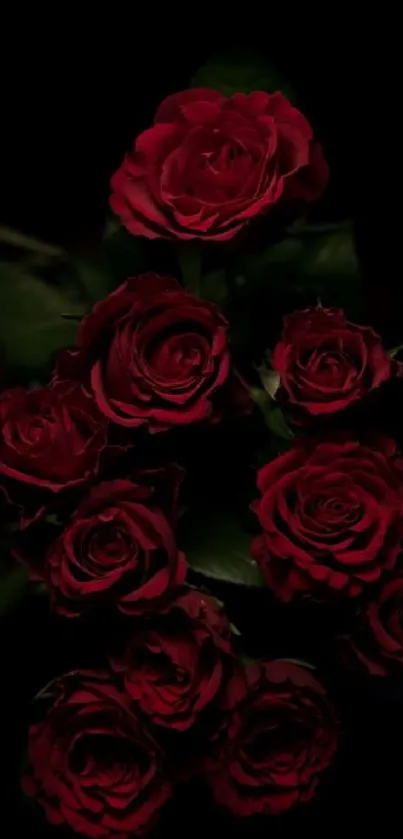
51	439
329	512
153	355
176	662
374	644
210	164
326	363
92	763
118	549
280	734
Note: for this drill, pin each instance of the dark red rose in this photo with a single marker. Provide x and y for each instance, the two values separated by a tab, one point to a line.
325	363
210	164
329	512
154	355
117	549
175	664
92	762
376	642
51	438
279	736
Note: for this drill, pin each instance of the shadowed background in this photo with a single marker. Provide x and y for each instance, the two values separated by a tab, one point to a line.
71	106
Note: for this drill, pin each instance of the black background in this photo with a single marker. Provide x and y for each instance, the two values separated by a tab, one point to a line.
75	93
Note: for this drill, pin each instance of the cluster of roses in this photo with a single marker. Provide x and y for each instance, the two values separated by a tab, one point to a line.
331	508
94	761
149	358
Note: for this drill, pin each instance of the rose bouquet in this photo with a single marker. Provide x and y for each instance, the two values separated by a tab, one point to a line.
202	423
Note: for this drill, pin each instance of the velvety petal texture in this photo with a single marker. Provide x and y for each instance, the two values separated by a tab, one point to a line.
51	437
375	643
326	363
117	549
175	663
330	513
210	164
92	763
152	355
279	735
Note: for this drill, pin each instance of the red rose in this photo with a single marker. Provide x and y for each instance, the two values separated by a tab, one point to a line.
210	164
280	735
325	363
175	664
51	437
376	643
93	764
117	549
153	354
328	512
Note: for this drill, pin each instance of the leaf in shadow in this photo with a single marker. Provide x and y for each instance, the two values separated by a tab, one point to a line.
31	326
217	547
317	261
13	585
273	414
34	302
240	71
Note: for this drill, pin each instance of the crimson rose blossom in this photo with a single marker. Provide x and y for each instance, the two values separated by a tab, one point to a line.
153	354
175	664
329	513
325	363
210	164
116	549
50	437
92	762
376	642
279	736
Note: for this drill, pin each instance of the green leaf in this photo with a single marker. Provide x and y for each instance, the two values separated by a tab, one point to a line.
273	415
277	423
13	585
395	352
31	326
319	261
128	255
270	380
214	287
217	547
92	276
239	71
34	302
299	661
